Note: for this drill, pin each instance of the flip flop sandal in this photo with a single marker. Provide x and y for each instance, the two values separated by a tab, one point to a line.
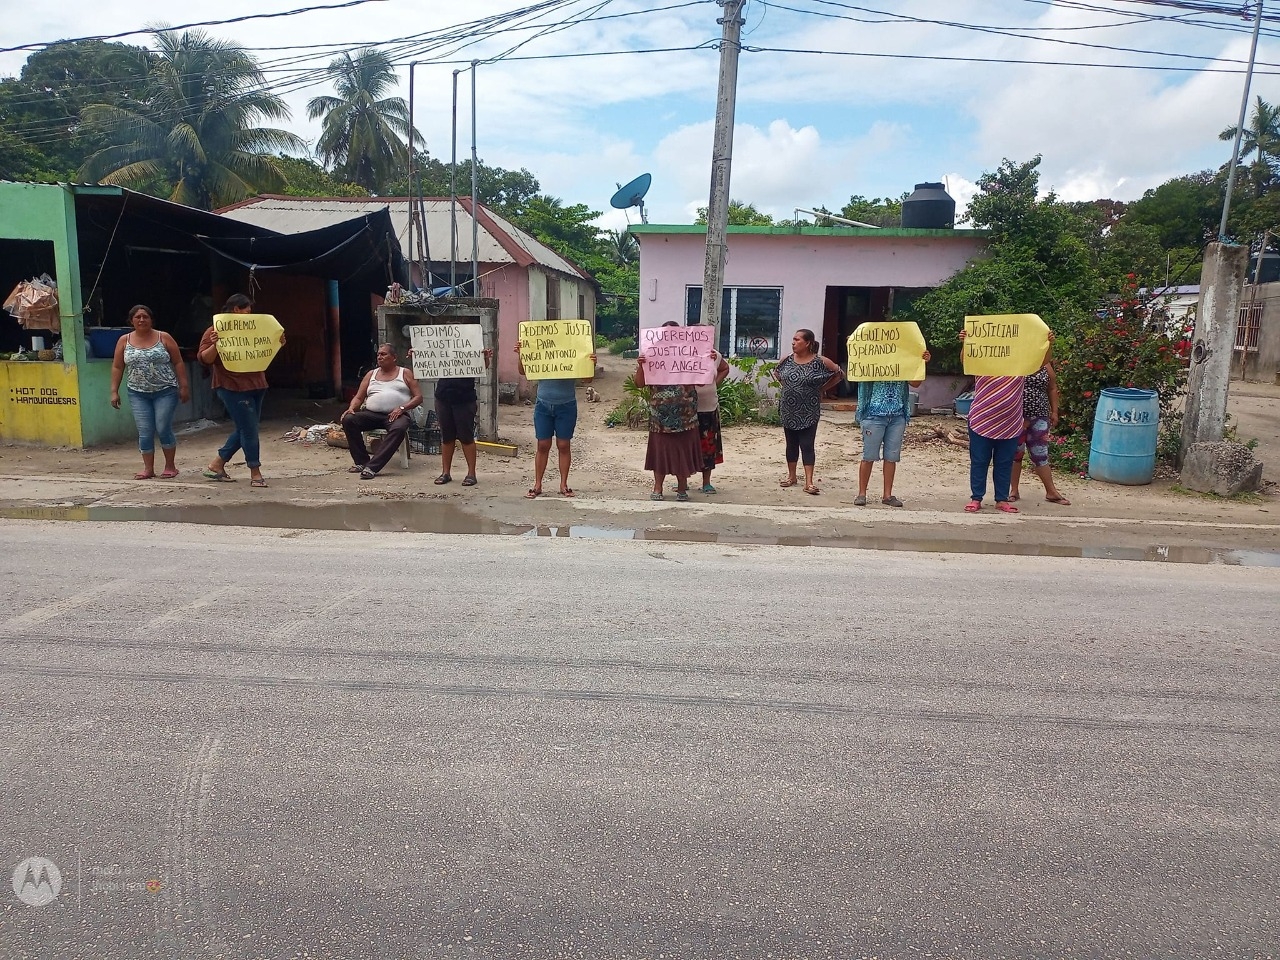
973	506
859	501
144	476
258	482
683	496
168	474
656	496
812	491
356	468
708	488
567	492
1007	507
1060	501
218	477
787	482
469	481
533	494
367	474
442	479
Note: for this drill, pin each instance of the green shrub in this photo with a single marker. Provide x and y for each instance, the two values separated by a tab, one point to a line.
1120	346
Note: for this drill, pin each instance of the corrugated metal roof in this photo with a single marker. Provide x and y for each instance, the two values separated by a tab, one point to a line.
498	240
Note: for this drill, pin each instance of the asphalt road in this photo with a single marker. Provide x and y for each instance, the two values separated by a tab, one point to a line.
255	743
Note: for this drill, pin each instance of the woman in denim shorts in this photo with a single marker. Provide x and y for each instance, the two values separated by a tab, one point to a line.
884	407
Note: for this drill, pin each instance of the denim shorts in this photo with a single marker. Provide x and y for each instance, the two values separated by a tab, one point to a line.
883	434
555	419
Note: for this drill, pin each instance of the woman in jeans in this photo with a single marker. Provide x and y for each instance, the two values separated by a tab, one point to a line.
884	407
804	377
241	394
151	365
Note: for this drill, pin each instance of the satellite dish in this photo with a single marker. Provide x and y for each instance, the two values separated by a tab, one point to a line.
632	194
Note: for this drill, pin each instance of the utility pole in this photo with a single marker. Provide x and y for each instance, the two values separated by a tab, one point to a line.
413	210
1244	107
1226	268
721	158
475	222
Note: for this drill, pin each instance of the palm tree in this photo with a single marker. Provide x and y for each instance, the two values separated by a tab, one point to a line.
1263	136
364	133
190	133
623	249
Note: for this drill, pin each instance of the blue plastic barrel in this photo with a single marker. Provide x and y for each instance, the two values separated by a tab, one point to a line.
1125	429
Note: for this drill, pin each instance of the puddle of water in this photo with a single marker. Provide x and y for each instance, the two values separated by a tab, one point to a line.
410	517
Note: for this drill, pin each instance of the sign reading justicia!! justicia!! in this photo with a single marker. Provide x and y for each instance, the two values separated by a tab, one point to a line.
1004	345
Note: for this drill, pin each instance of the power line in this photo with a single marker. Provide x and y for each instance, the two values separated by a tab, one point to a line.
187	26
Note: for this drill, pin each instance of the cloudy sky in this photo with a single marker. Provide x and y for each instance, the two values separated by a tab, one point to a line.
834	98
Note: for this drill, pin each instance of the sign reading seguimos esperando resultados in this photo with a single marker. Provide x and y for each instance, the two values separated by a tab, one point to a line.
247	342
556	349
1004	345
886	350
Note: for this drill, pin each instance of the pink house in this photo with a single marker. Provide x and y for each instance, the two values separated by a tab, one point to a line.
781	279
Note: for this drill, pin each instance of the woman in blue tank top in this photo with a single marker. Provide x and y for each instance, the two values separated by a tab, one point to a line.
150	363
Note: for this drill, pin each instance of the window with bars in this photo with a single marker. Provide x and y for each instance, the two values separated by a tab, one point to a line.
1248	327
750	320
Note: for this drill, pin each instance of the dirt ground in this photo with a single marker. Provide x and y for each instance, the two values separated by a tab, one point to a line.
612	491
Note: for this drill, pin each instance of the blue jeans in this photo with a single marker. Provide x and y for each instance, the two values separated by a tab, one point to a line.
982	452
245	409
153	413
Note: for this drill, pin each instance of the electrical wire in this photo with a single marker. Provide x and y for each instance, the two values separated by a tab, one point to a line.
202	23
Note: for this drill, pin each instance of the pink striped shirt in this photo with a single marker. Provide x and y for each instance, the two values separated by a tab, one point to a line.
996	411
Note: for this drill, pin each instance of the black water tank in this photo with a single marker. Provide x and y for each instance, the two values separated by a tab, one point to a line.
930	207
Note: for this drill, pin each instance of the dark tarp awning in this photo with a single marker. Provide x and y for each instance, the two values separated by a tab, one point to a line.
362	252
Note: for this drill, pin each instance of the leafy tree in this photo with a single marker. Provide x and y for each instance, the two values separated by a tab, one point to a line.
363	130
1185	210
878	212
507	192
191	131
1039	261
306	178
40	110
741	215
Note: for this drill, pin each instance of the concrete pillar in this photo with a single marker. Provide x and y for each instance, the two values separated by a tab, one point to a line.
1221	286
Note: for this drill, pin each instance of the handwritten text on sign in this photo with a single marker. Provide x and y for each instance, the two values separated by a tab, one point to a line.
447	350
247	342
678	355
556	349
1004	345
890	350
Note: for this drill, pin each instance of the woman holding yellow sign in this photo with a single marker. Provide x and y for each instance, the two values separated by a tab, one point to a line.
241	394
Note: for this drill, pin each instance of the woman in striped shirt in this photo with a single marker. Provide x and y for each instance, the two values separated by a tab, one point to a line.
995	427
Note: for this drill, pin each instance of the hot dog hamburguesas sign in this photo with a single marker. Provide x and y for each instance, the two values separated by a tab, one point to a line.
247	342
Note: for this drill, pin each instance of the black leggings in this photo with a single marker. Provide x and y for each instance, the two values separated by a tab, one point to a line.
801	442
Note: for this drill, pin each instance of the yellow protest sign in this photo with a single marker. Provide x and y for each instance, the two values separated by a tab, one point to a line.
886	350
557	349
1004	345
247	342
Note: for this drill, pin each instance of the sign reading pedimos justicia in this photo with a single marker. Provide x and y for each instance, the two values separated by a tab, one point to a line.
443	350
